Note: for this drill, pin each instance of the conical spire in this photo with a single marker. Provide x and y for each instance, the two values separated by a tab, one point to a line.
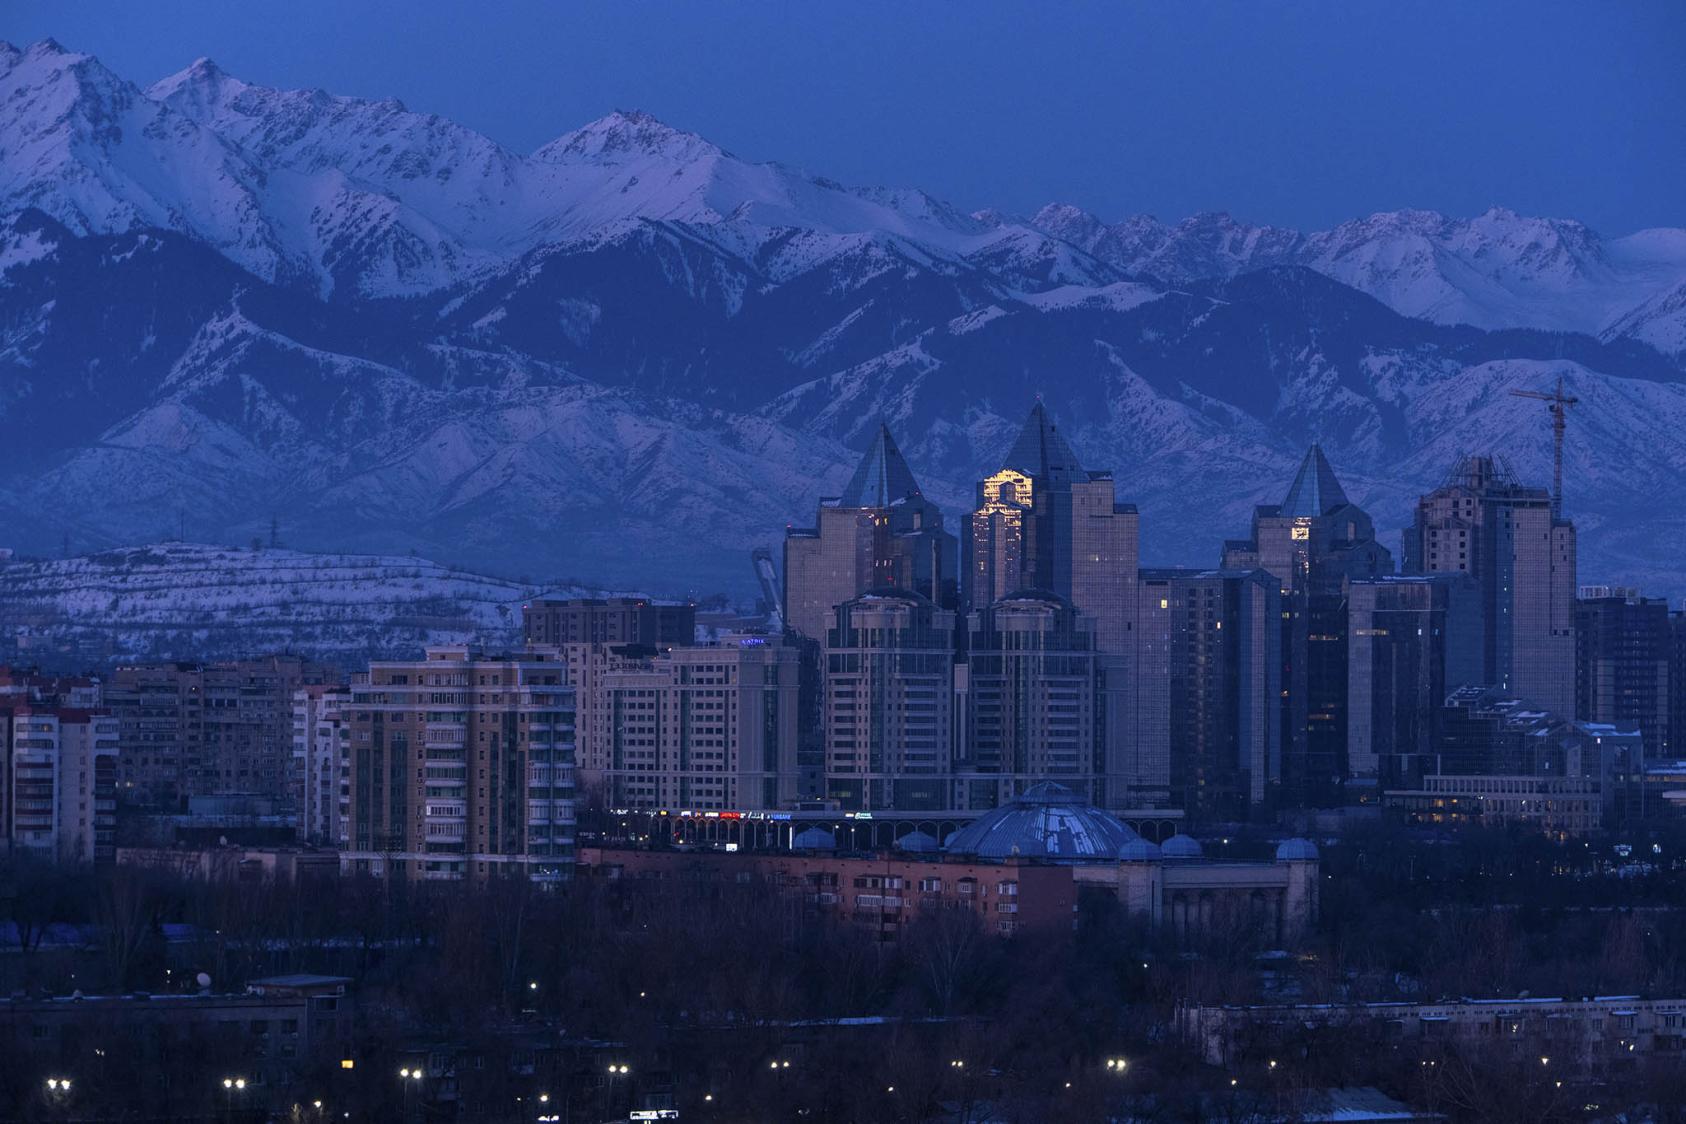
883	476
1315	490
1041	452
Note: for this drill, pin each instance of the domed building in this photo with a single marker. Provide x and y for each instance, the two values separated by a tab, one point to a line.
1172	883
1046	821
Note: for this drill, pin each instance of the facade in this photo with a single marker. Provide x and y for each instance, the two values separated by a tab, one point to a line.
1315	543
883	893
1411	640
274	1033
1571	1036
1560	806
881	531
322	762
713	726
462	765
1677	681
1211	639
1030	699
1500	760
58	772
1019	867
1482	521
617	620
208	729
1622	667
890	734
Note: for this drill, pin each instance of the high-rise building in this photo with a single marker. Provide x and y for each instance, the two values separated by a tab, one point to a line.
710	728
1412	640
1212	637
1043	522
1029	692
889	702
208	729
322	762
615	620
58	772
462	766
1677	682
881	531
1624	647
1484	522
1315	542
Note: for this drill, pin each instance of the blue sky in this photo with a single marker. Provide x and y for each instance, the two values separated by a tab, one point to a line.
1301	114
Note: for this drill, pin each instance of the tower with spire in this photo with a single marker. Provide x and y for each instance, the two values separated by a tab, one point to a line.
880	532
1315	543
1043	522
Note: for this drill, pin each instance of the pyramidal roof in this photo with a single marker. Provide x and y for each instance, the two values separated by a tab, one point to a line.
1315	490
1041	452
882	478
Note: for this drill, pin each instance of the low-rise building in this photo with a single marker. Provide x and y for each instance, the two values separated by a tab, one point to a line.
1569	1036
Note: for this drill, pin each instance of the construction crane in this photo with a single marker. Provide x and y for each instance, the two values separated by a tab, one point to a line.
1558	404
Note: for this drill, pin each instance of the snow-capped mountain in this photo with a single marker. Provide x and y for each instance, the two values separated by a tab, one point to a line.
630	356
1497	270
176	600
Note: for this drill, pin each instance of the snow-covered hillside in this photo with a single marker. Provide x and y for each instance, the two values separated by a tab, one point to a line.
189	601
632	355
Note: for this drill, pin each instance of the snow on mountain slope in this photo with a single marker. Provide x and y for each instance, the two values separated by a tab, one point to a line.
1497	270
176	600
633	356
92	151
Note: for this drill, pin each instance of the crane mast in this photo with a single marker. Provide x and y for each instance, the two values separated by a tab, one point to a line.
1557	403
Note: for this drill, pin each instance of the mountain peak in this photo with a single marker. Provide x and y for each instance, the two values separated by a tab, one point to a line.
203	81
626	133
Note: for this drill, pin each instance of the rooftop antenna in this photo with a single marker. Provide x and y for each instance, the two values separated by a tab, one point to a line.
1558	405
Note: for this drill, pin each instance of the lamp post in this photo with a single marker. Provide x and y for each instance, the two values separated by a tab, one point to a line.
618	1071
411	1077
231	1086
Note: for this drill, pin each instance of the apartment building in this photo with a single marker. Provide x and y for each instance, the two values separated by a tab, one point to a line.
461	765
322	762
713	726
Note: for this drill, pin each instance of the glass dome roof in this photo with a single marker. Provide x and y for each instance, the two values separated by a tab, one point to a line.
1046	821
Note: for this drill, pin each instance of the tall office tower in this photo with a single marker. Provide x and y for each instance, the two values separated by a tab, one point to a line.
208	729
710	727
881	531
1624	648
889	703
321	761
462	766
1314	543
1483	522
58	774
1030	692
1213	637
1412	640
615	620
1677	682
1042	522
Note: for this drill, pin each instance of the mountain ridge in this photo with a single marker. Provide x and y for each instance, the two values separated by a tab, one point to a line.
638	357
